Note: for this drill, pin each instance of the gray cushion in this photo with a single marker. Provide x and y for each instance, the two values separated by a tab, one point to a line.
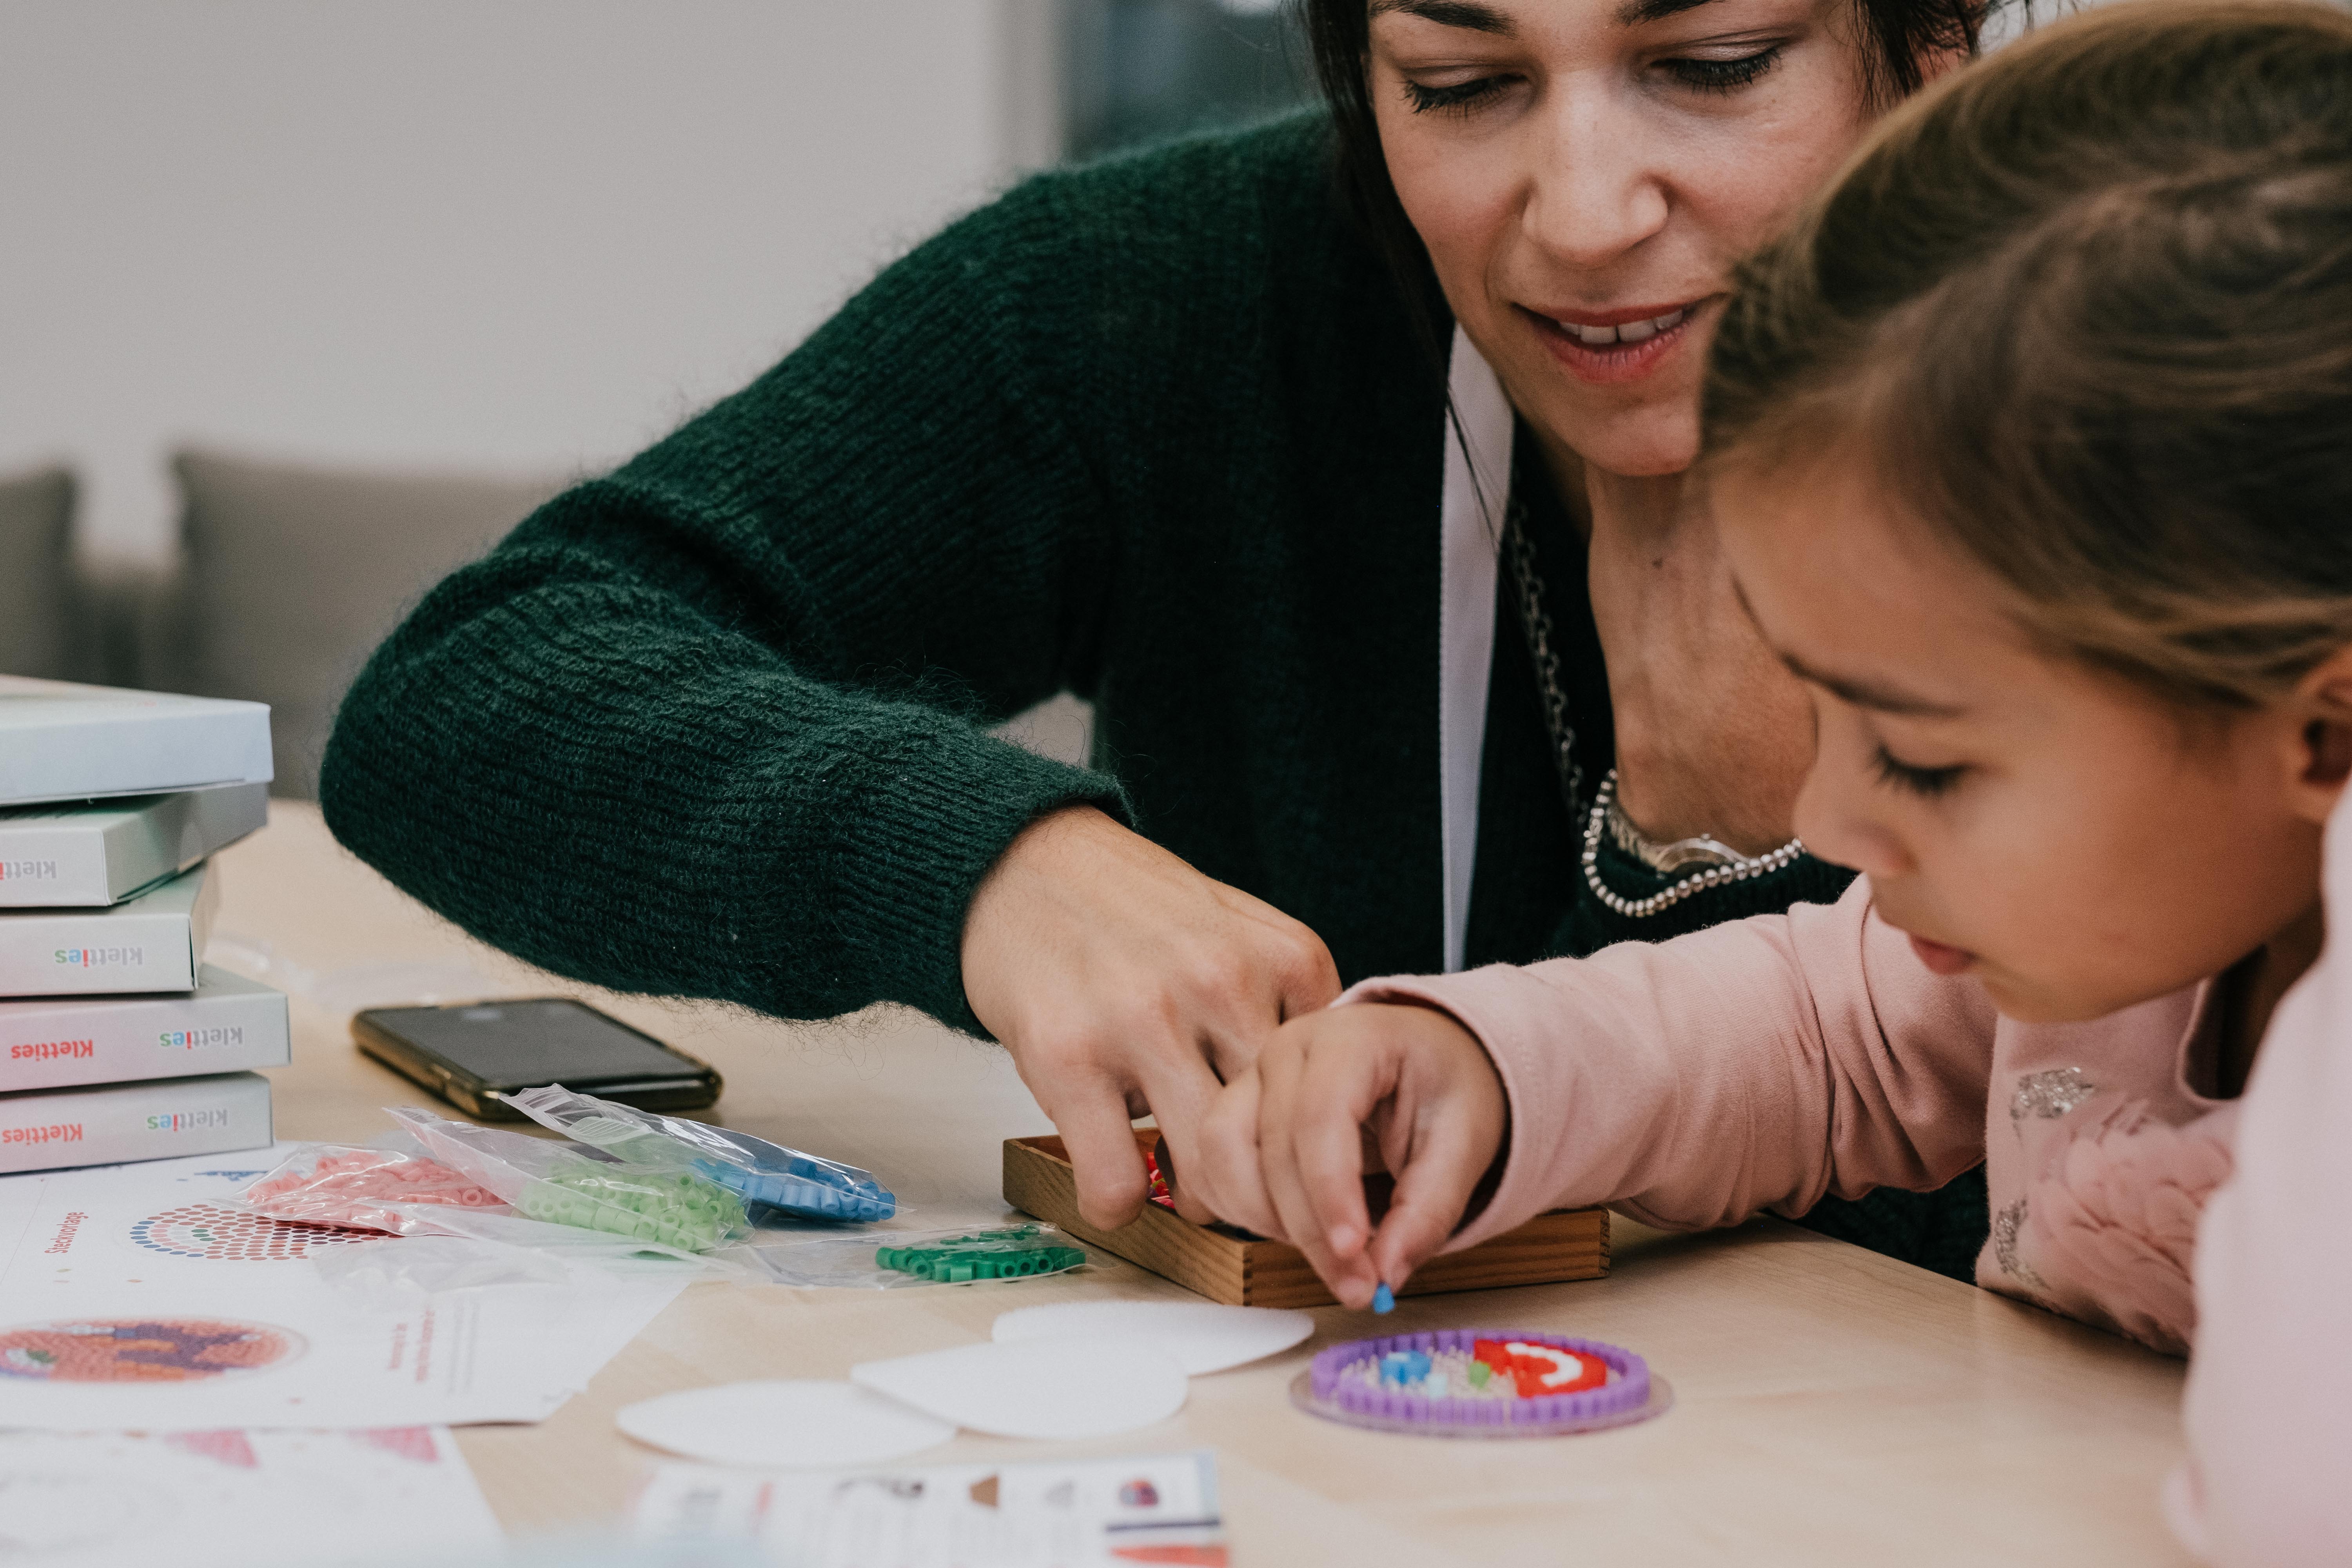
38	600
293	575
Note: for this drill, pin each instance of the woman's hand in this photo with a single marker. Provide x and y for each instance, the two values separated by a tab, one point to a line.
1124	983
1286	1145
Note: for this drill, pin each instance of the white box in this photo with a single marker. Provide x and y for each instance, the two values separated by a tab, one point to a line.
230	1024
151	943
101	852
63	741
50	1129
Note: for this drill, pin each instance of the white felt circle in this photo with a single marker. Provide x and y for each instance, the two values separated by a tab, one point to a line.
1062	1388
782	1425
1201	1336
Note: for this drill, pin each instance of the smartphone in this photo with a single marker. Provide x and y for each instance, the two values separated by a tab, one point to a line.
475	1055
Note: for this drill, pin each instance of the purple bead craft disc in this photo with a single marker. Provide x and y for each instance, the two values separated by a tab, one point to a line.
1433	1384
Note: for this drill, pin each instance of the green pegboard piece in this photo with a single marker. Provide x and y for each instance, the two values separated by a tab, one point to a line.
1010	1253
675	1208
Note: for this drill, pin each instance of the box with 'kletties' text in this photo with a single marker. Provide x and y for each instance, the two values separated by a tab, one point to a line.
52	1129
151	943
93	852
229	1023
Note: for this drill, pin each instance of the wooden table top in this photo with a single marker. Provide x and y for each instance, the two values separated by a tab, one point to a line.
1831	1406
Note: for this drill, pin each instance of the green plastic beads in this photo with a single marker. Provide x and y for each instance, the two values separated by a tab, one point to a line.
675	1208
984	1255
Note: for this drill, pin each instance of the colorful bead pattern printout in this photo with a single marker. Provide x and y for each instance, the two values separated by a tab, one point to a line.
142	1349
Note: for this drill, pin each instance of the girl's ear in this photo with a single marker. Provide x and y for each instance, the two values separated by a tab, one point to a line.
2322	763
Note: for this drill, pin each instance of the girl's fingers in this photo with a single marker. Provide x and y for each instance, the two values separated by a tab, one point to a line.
1279	1073
1233	1182
1435	1186
1296	1116
1180	1088
1342	1087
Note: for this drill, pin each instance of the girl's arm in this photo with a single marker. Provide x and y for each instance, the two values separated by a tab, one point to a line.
1758	1065
2269	1408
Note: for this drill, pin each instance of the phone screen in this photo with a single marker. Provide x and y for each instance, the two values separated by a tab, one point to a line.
515	1044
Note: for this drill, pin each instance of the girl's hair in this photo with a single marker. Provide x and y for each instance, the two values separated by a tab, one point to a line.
1899	37
2086	309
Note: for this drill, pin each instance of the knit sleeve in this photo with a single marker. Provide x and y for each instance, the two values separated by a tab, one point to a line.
713	725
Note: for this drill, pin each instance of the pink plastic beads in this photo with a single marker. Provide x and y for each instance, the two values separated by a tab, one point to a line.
362	1189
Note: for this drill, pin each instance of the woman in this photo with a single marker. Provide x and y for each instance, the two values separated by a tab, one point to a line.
1173	433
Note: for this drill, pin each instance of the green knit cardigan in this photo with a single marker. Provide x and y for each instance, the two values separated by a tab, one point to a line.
1160	432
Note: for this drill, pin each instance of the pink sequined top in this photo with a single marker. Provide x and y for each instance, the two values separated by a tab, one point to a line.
1765	1063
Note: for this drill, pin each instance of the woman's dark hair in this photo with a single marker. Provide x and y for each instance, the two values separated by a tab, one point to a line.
1899	36
2084	312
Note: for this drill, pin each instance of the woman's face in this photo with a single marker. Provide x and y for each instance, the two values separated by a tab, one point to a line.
1584	174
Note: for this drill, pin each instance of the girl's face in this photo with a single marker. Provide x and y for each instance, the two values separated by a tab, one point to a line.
2061	835
1584	172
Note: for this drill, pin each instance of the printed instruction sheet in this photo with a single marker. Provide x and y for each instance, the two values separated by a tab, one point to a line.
240	1500
1069	1513
135	1296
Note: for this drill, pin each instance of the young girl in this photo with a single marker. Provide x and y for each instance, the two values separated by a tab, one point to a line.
2032	443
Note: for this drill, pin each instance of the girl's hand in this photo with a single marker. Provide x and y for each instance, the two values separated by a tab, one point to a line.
1124	983
1403	1088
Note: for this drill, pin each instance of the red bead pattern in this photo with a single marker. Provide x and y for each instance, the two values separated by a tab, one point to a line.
225	1235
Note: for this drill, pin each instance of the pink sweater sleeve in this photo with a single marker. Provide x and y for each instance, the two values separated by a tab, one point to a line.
1757	1065
2268	1407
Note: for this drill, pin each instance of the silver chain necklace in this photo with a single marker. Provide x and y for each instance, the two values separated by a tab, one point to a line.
1721	864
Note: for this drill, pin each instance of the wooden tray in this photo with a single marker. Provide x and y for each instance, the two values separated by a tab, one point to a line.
1243	1271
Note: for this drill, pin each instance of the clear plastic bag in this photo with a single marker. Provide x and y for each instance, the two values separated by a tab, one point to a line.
895	1259
430	1265
763	1175
365	1189
508	1251
563	1184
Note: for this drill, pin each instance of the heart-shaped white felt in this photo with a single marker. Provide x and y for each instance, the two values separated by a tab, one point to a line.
782	1423
1064	1388
1201	1335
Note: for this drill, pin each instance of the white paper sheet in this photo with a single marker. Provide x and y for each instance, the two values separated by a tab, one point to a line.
131	1298
784	1424
1071	1513
240	1500
1203	1336
1067	1388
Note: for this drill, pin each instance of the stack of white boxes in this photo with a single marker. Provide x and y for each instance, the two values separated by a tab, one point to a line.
117	1041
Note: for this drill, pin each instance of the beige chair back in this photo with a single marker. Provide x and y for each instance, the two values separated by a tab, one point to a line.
41	619
292	575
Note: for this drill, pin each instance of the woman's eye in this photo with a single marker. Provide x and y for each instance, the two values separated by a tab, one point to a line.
1927	782
1722	75
1460	97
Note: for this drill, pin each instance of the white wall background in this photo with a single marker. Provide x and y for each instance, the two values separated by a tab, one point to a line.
496	234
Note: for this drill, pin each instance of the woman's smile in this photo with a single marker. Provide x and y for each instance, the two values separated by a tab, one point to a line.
1609	347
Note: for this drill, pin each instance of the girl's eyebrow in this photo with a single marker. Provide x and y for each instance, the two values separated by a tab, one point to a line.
1636	12
1469	13
1870	694
1861	693
1487	19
